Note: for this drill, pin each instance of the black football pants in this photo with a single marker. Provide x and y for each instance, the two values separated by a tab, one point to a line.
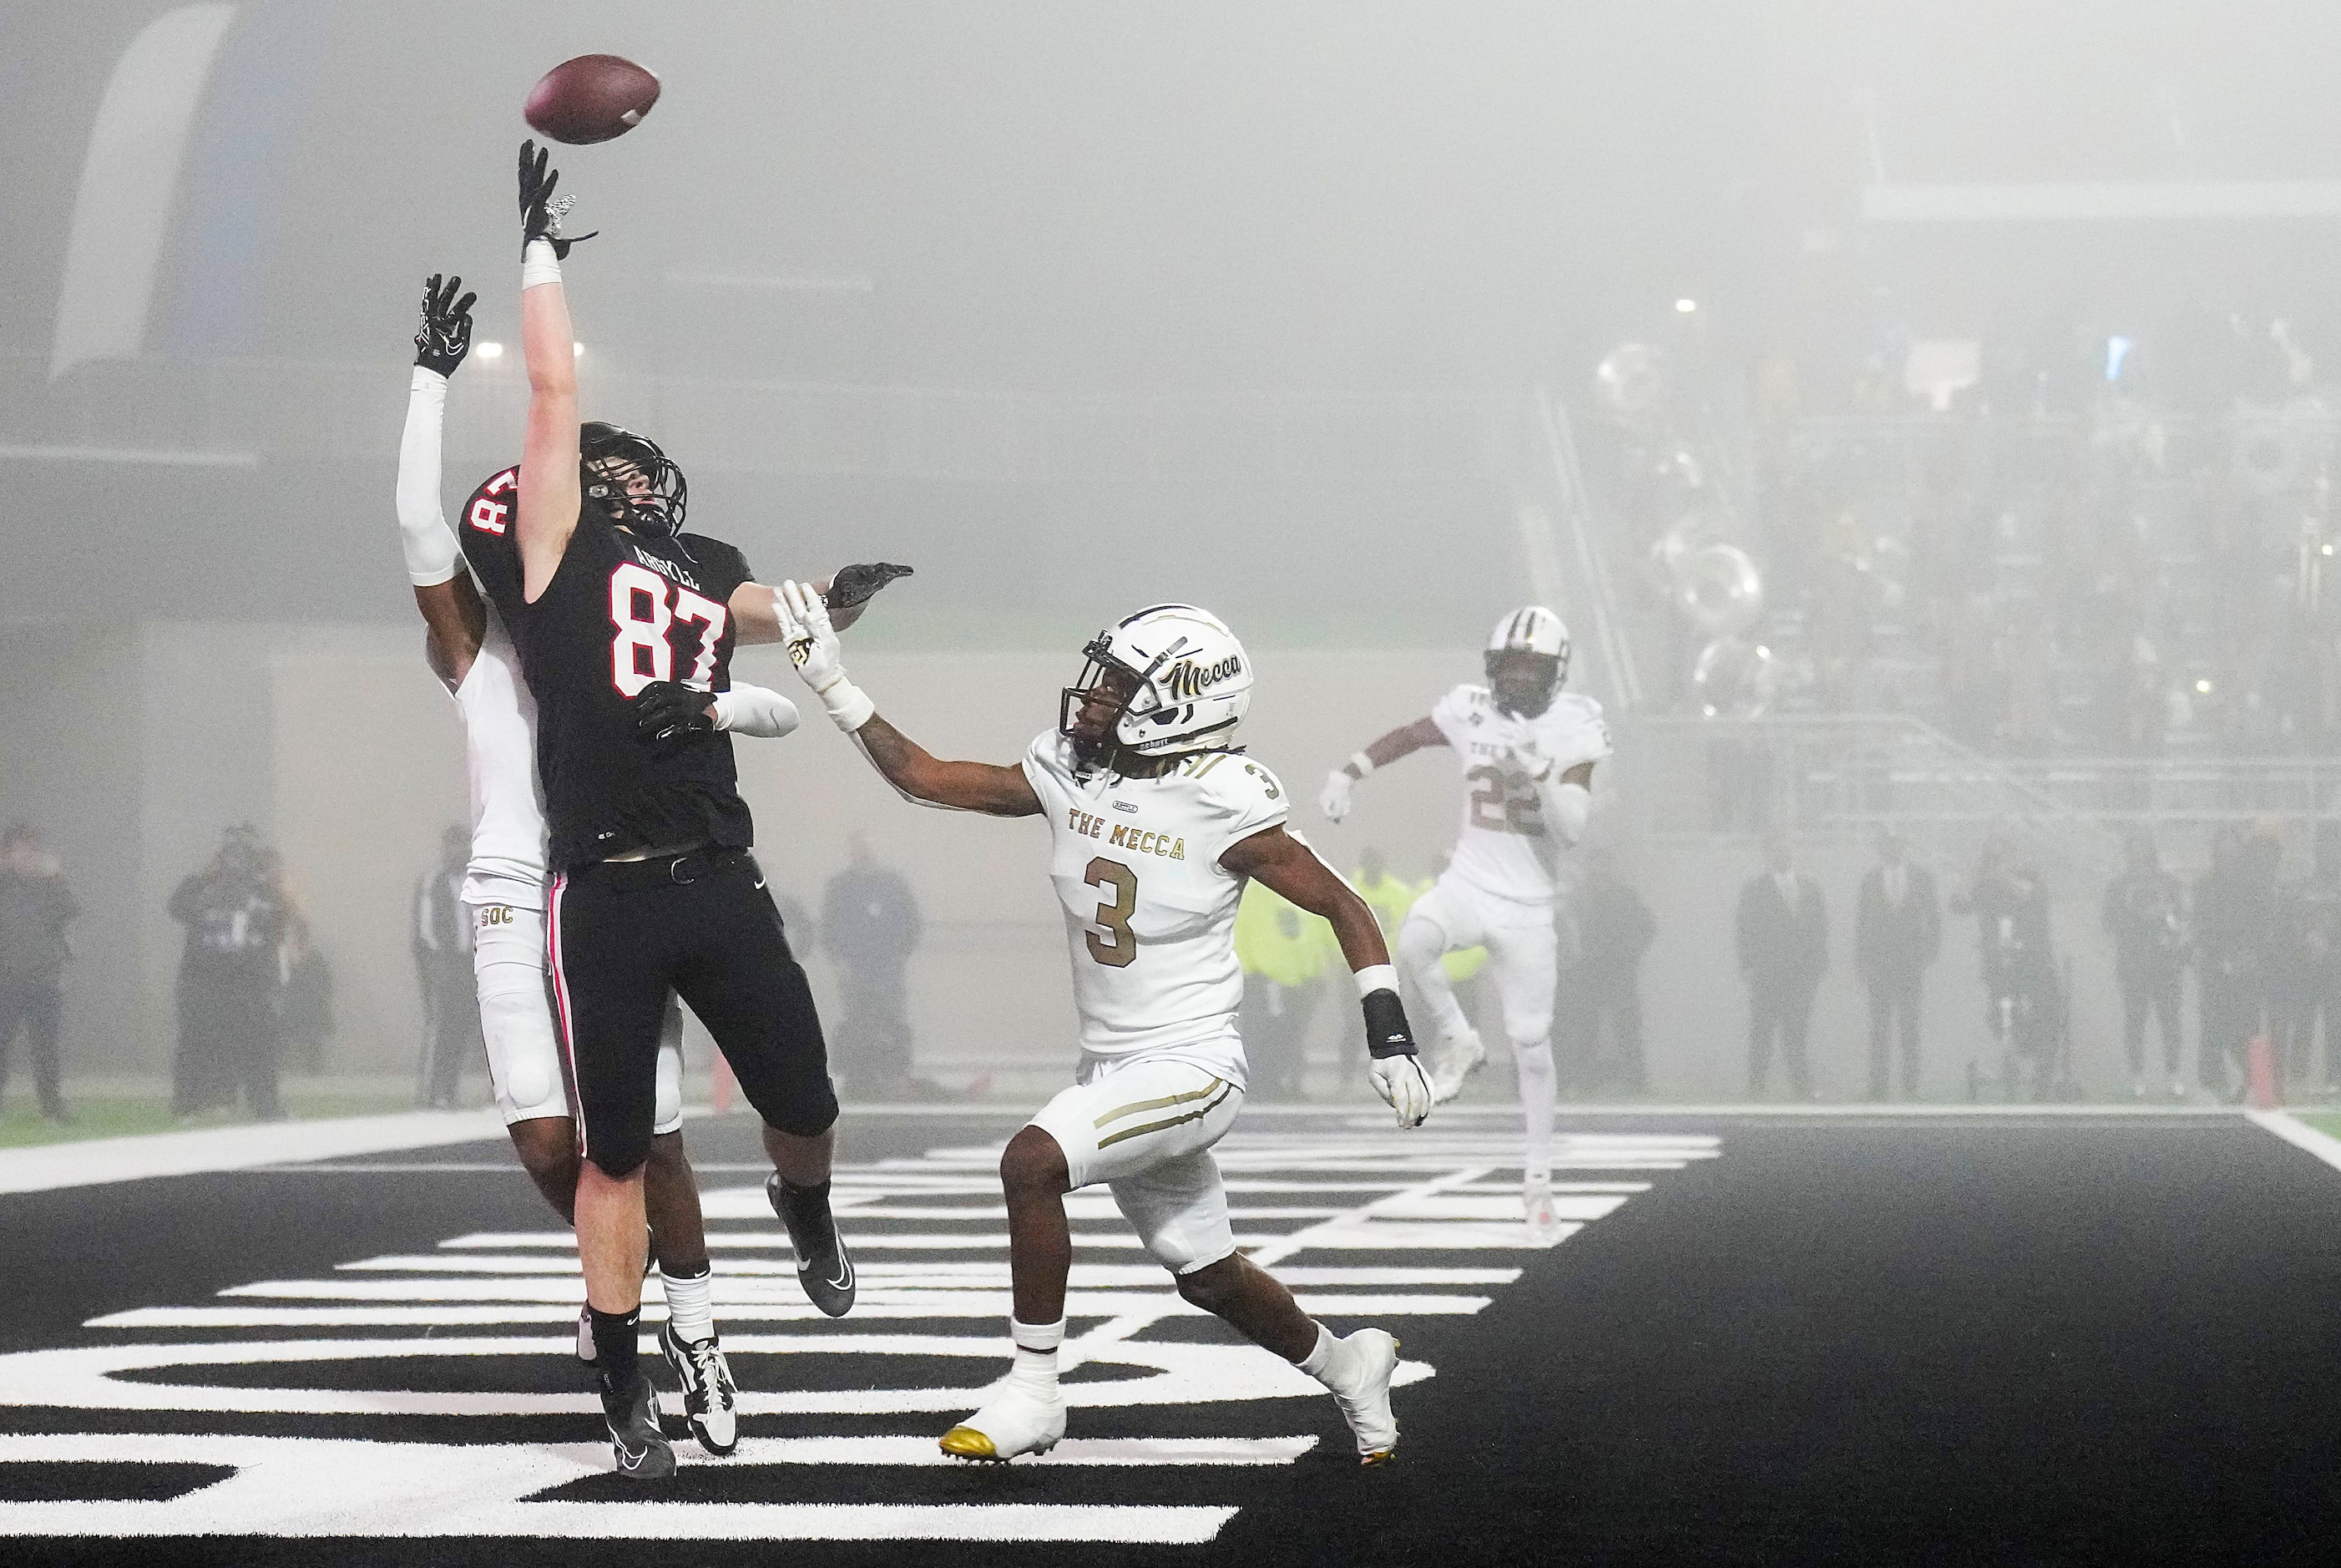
624	933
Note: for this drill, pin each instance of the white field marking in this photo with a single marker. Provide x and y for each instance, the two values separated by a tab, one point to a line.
97	1162
441	1269
1099	1344
83	1378
916	1307
738	1298
1567	1205
313	1487
2299	1134
944	1274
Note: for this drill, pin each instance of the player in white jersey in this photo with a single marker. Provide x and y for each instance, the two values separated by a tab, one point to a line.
504	885
1527	750
1155	821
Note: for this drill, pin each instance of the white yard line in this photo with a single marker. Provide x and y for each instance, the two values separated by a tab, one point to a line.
2299	1134
94	1162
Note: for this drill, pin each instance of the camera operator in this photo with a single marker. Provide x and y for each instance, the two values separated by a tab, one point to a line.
2024	1000
234	912
2146	914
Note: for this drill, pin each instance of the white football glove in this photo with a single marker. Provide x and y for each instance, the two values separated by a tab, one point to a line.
1333	799
811	640
813	648
1404	1088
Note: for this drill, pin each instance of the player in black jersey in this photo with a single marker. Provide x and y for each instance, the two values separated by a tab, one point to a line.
621	620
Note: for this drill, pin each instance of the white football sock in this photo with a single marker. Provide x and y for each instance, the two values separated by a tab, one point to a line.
1036	1354
1535	1065
690	1306
1332	1362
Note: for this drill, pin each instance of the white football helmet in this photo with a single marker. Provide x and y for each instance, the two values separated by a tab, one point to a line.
1190	682
1538	633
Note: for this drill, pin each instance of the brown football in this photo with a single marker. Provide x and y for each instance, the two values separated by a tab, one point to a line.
591	99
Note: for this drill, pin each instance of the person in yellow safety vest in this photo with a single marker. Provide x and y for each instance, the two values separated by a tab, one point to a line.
1390	897
1284	952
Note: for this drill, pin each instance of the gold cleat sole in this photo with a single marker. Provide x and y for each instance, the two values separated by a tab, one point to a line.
966	1442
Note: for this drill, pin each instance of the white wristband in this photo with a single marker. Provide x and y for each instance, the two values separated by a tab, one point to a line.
849	707
1361	765
1375	977
538	265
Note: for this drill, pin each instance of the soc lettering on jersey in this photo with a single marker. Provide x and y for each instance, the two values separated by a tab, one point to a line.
1149	912
622	610
1503	846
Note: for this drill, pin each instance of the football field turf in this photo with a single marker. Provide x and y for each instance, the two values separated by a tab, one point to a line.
1947	1339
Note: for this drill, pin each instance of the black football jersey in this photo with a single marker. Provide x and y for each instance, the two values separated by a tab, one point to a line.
620	612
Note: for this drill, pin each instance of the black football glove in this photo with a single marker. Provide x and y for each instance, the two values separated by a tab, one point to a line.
668	711
1394	1068
855	585
540	211
445	335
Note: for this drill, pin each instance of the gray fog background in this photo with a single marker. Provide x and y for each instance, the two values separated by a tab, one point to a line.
1075	306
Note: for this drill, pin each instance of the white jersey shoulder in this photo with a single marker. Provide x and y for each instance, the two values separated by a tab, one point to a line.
1149	912
1501	846
507	863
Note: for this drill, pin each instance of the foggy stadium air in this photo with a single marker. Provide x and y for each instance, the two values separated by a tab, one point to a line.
1829	1051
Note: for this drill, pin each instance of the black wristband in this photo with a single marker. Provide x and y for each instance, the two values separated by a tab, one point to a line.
1386	1031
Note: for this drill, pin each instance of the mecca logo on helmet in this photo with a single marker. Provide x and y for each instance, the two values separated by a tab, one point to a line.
630	478
1167	680
1527	660
1187	678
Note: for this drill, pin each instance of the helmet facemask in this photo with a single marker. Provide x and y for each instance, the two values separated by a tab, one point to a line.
632	480
1090	713
1524	682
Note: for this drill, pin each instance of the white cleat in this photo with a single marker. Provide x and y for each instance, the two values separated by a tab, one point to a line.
1017	1421
1544	1220
1459	1056
585	1351
1367	1408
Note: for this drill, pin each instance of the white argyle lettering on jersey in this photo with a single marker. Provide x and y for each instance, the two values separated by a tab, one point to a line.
1149	913
1503	846
507	863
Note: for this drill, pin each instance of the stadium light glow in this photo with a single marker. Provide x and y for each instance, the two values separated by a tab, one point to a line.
577	349
1686	305
2203	687
490	349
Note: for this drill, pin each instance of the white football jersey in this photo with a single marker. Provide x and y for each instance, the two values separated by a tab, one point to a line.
1149	913
507	862
1502	847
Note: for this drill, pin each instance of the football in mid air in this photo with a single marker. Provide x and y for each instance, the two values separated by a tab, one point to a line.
591	99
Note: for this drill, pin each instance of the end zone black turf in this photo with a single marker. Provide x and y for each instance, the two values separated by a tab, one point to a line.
1954	1342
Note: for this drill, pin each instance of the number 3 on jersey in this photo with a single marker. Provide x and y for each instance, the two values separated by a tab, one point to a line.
644	607
1112	942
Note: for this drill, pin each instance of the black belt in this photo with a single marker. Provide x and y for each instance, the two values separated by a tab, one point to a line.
662	870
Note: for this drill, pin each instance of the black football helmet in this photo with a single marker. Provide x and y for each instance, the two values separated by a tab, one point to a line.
609	458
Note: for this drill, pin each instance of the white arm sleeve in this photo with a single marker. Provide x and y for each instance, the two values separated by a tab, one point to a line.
747	710
1566	807
432	553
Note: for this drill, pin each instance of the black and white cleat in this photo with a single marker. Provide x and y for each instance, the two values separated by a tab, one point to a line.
709	1394
639	1447
825	1268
